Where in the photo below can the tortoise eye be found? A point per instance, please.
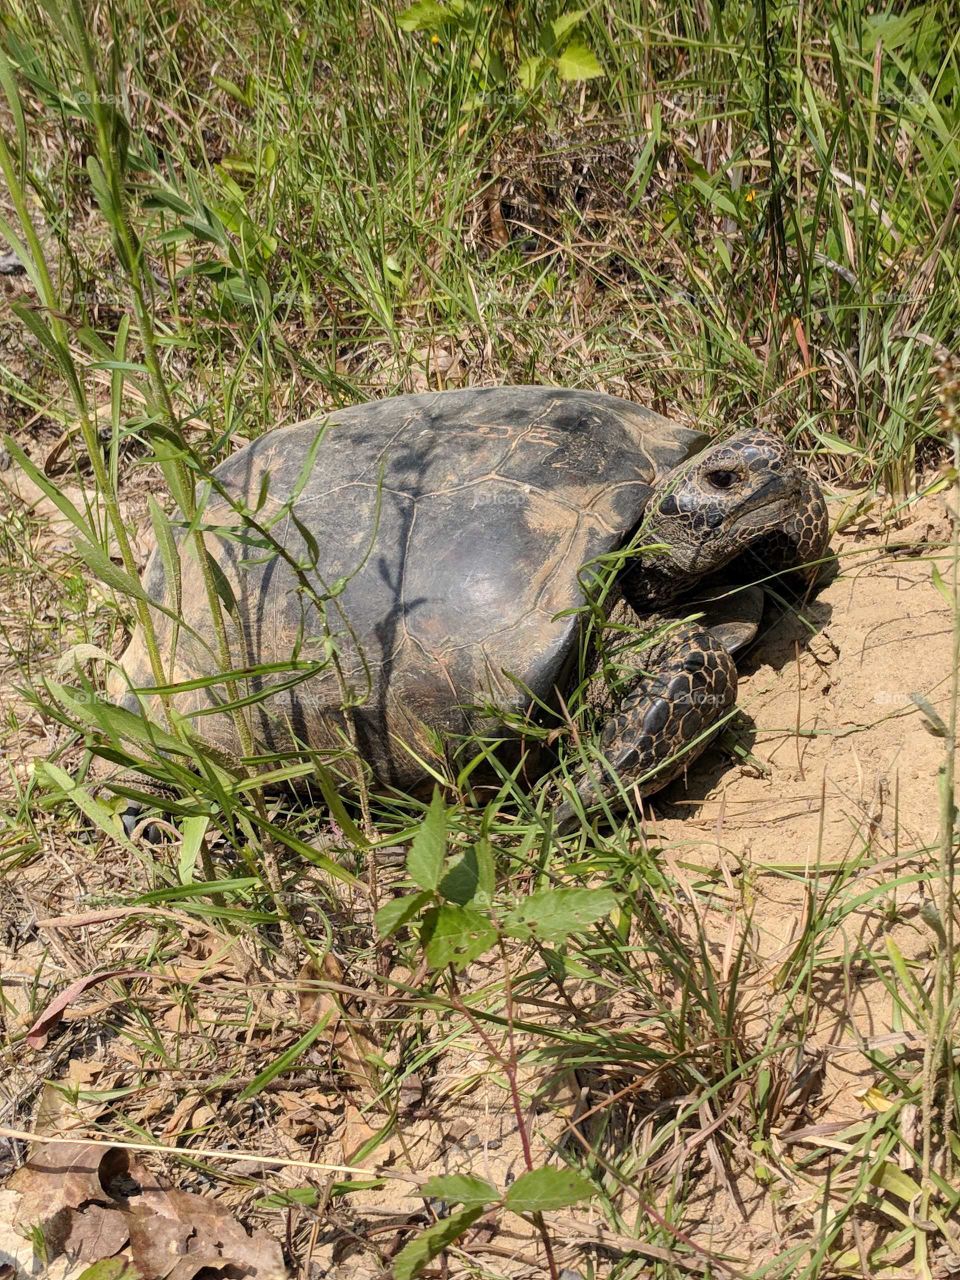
(720, 479)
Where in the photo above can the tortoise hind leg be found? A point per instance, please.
(664, 720)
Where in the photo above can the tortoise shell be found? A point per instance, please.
(446, 532)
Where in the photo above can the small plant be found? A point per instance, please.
(533, 1193)
(504, 51)
(454, 912)
(453, 904)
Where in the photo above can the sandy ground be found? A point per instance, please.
(859, 779)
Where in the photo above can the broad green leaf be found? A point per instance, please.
(116, 722)
(425, 859)
(543, 1189)
(461, 882)
(107, 1269)
(578, 62)
(395, 914)
(243, 96)
(563, 25)
(460, 1188)
(157, 198)
(715, 197)
(486, 874)
(894, 29)
(456, 936)
(551, 915)
(413, 1257)
(888, 1177)
(425, 15)
(834, 444)
(194, 829)
(73, 659)
(528, 70)
(98, 813)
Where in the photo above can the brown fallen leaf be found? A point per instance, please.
(357, 1132)
(96, 1233)
(177, 1234)
(182, 1113)
(303, 1114)
(355, 1049)
(411, 1092)
(92, 1201)
(65, 1176)
(37, 1035)
(61, 1109)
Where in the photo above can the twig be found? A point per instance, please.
(211, 1153)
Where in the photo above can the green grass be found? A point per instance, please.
(235, 217)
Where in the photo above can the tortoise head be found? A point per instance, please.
(745, 493)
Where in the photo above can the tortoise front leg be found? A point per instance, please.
(651, 732)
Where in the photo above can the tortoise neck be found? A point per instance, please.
(649, 584)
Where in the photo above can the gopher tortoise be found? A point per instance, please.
(432, 568)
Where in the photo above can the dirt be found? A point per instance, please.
(845, 761)
(842, 782)
(855, 793)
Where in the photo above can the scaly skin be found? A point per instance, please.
(684, 686)
(687, 682)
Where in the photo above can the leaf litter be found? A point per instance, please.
(96, 1202)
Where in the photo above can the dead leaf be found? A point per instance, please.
(177, 1018)
(193, 1232)
(37, 1035)
(182, 1114)
(355, 1049)
(302, 1114)
(65, 1176)
(90, 1200)
(59, 527)
(97, 1233)
(411, 1092)
(357, 1131)
(202, 1117)
(52, 463)
(60, 1109)
(37, 503)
